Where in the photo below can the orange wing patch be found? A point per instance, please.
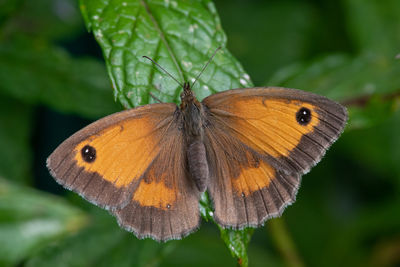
(155, 194)
(269, 125)
(122, 151)
(253, 179)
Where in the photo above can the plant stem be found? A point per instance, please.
(284, 242)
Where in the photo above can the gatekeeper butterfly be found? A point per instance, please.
(247, 147)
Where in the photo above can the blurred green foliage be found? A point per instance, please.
(347, 210)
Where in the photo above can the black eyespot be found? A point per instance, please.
(243, 195)
(303, 116)
(88, 153)
(168, 206)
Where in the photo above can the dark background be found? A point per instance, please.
(348, 208)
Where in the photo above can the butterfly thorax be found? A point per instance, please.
(192, 114)
(193, 119)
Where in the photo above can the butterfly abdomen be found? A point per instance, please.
(198, 166)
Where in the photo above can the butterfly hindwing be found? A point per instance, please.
(259, 142)
(165, 203)
(244, 187)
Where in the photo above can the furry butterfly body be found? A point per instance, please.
(247, 147)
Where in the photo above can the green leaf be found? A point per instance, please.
(15, 140)
(374, 25)
(375, 110)
(30, 220)
(7, 8)
(180, 35)
(34, 72)
(342, 77)
(363, 228)
(382, 153)
(61, 19)
(102, 243)
(260, 43)
(205, 207)
(237, 242)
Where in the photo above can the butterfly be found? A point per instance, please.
(247, 147)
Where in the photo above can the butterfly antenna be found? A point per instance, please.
(158, 65)
(155, 98)
(205, 66)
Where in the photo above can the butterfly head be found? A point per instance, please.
(188, 97)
